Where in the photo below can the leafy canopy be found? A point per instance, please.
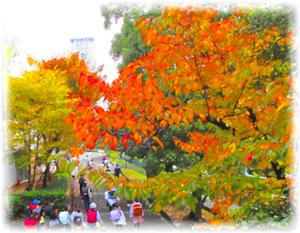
(217, 72)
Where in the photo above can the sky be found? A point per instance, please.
(43, 29)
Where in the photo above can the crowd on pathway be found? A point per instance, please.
(46, 214)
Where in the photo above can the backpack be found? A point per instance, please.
(85, 191)
(32, 206)
(137, 209)
(77, 220)
(49, 210)
(111, 194)
(111, 198)
(52, 214)
(115, 215)
(91, 216)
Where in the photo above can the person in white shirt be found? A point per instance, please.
(110, 198)
(64, 217)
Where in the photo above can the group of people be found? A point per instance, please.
(106, 163)
(109, 166)
(41, 216)
(112, 201)
(48, 215)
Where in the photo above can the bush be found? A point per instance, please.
(16, 205)
(13, 206)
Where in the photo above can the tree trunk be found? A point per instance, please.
(46, 176)
(197, 215)
(151, 169)
(34, 175)
(278, 170)
(72, 192)
(31, 172)
(150, 173)
(280, 175)
(29, 183)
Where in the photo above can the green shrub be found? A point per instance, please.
(13, 206)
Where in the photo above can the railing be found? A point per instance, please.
(135, 162)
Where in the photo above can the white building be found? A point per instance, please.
(86, 49)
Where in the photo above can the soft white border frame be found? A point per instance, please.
(293, 4)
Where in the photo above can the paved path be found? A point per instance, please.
(151, 221)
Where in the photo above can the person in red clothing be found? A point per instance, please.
(30, 223)
(33, 205)
(136, 213)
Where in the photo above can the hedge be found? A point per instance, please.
(16, 205)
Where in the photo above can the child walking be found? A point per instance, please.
(93, 217)
(136, 213)
(117, 216)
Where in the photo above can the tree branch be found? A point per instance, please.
(207, 209)
(218, 123)
(240, 95)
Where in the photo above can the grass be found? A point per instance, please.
(133, 175)
(114, 158)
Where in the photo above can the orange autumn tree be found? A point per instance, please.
(78, 76)
(206, 71)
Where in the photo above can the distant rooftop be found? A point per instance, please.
(81, 39)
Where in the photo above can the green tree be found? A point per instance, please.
(127, 45)
(38, 105)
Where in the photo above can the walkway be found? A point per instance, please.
(151, 221)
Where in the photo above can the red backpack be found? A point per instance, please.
(92, 216)
(137, 209)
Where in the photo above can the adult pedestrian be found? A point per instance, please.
(117, 170)
(81, 181)
(86, 195)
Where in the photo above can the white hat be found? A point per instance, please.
(93, 205)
